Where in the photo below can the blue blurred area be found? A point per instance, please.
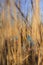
(25, 6)
(1, 5)
(41, 10)
(41, 6)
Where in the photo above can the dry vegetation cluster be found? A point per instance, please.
(15, 47)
